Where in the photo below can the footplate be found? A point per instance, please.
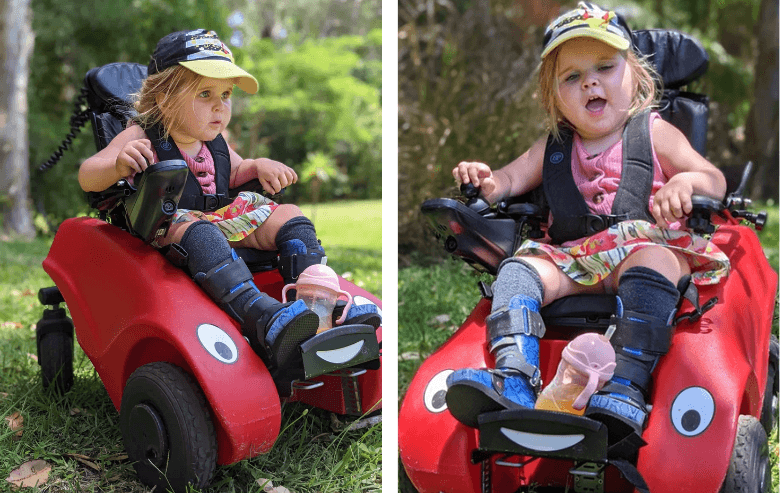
(340, 347)
(531, 432)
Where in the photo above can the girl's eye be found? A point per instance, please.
(204, 94)
(606, 68)
(226, 95)
(571, 77)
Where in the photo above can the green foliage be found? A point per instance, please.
(322, 95)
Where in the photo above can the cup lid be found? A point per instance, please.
(320, 276)
(591, 353)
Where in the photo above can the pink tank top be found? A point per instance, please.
(598, 177)
(202, 166)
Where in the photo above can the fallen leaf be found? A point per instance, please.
(409, 356)
(87, 461)
(3, 395)
(15, 422)
(32, 357)
(33, 473)
(439, 319)
(117, 457)
(11, 325)
(77, 410)
(28, 292)
(268, 486)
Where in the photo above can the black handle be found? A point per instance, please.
(468, 190)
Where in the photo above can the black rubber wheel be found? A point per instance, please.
(55, 355)
(167, 429)
(769, 406)
(749, 470)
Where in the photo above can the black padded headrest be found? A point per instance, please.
(677, 57)
(111, 85)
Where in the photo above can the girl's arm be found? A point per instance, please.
(126, 154)
(273, 175)
(689, 174)
(516, 178)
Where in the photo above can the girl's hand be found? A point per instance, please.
(134, 157)
(673, 201)
(273, 175)
(479, 174)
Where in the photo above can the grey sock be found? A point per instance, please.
(516, 277)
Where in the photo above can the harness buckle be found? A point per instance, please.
(210, 202)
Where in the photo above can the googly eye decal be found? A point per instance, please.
(435, 392)
(362, 300)
(217, 343)
(692, 411)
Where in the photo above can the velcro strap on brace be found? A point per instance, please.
(224, 282)
(516, 359)
(292, 265)
(514, 321)
(635, 368)
(643, 332)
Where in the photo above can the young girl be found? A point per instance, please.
(183, 107)
(592, 84)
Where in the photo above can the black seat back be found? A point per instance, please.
(109, 95)
(679, 59)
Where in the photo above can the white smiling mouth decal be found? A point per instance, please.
(542, 443)
(341, 355)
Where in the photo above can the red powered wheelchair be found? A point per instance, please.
(190, 390)
(715, 394)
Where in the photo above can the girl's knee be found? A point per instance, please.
(285, 212)
(665, 261)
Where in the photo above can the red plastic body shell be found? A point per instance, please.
(725, 352)
(130, 307)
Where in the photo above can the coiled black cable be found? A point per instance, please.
(77, 121)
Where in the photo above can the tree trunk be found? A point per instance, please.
(16, 43)
(761, 130)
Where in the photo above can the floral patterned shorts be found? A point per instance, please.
(590, 261)
(236, 221)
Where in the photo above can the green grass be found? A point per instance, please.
(356, 227)
(312, 454)
(435, 299)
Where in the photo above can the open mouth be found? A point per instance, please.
(596, 104)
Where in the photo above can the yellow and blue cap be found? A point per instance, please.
(587, 20)
(202, 52)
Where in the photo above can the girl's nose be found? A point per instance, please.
(589, 81)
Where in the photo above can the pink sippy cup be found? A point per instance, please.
(318, 287)
(587, 363)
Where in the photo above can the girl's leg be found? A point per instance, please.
(290, 232)
(274, 330)
(514, 327)
(647, 287)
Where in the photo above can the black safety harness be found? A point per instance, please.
(572, 219)
(193, 197)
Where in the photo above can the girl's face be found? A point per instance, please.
(595, 87)
(205, 111)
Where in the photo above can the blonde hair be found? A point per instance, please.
(647, 92)
(174, 84)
